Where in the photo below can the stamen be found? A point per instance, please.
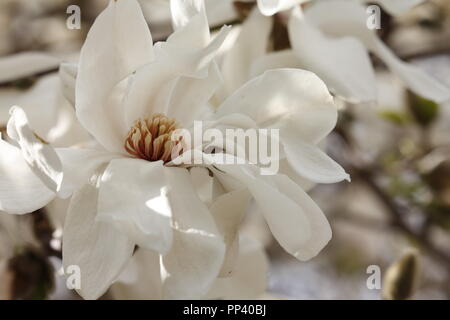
(150, 139)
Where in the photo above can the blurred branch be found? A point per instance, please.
(395, 211)
(367, 174)
(359, 220)
(426, 54)
(19, 83)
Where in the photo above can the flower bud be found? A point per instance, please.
(400, 281)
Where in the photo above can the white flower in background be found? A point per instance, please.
(331, 39)
(51, 116)
(130, 95)
(372, 131)
(25, 64)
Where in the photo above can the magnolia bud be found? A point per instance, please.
(400, 281)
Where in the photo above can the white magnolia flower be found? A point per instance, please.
(331, 39)
(130, 95)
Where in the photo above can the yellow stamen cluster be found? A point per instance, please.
(151, 139)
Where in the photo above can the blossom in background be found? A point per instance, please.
(130, 96)
(331, 39)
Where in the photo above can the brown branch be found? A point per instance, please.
(359, 169)
(16, 82)
(395, 211)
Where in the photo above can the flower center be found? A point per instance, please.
(150, 139)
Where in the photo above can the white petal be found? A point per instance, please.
(189, 97)
(282, 97)
(133, 198)
(190, 23)
(20, 190)
(79, 164)
(40, 102)
(98, 249)
(342, 18)
(25, 64)
(249, 280)
(195, 260)
(320, 228)
(141, 278)
(414, 78)
(343, 63)
(287, 220)
(41, 158)
(275, 60)
(287, 169)
(67, 130)
(118, 43)
(312, 163)
(270, 7)
(151, 86)
(228, 211)
(251, 43)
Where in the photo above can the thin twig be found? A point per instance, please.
(395, 211)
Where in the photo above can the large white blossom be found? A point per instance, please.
(126, 192)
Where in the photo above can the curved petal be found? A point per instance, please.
(270, 7)
(118, 43)
(343, 63)
(133, 198)
(190, 23)
(251, 43)
(98, 249)
(189, 95)
(414, 78)
(152, 85)
(312, 163)
(190, 268)
(79, 164)
(20, 190)
(40, 102)
(141, 278)
(342, 18)
(283, 96)
(228, 211)
(250, 279)
(41, 158)
(286, 219)
(286, 169)
(320, 233)
(275, 60)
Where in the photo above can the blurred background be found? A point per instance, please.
(395, 214)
